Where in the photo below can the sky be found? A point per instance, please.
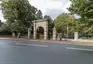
(49, 7)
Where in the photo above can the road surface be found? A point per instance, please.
(24, 52)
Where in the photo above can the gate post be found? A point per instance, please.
(54, 33)
(75, 35)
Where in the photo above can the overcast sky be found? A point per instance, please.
(49, 7)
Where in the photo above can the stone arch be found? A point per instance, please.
(40, 32)
(43, 23)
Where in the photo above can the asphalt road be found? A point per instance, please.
(23, 52)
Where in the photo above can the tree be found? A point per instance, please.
(50, 24)
(0, 23)
(65, 23)
(49, 19)
(18, 12)
(83, 8)
(39, 14)
(4, 29)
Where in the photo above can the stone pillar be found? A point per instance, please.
(18, 35)
(75, 35)
(46, 31)
(45, 35)
(29, 33)
(54, 33)
(13, 34)
(58, 36)
(35, 30)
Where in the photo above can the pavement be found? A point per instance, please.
(18, 51)
(69, 41)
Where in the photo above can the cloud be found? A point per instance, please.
(40, 4)
(51, 7)
(54, 12)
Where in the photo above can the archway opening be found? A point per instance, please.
(40, 32)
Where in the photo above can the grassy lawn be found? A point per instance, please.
(86, 38)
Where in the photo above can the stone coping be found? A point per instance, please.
(40, 20)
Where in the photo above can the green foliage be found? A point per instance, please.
(18, 10)
(87, 38)
(16, 27)
(63, 22)
(83, 8)
(39, 14)
(4, 29)
(19, 14)
(49, 19)
(50, 25)
(0, 23)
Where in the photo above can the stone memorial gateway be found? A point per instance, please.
(40, 26)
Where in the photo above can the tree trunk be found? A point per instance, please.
(29, 33)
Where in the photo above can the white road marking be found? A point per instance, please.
(82, 49)
(32, 45)
(2, 43)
